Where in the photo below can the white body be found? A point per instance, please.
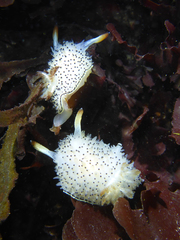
(68, 71)
(90, 170)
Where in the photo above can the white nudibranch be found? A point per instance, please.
(90, 170)
(68, 70)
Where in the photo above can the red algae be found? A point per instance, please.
(132, 99)
(176, 122)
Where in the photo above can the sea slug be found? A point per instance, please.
(68, 70)
(90, 170)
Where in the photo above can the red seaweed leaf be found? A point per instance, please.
(159, 218)
(148, 80)
(68, 232)
(6, 3)
(176, 122)
(127, 138)
(110, 27)
(169, 26)
(89, 222)
(150, 4)
(158, 8)
(138, 121)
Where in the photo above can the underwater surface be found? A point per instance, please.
(132, 97)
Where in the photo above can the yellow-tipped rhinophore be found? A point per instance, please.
(77, 123)
(55, 37)
(101, 37)
(42, 149)
(98, 39)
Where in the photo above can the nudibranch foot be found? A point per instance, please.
(90, 170)
(61, 118)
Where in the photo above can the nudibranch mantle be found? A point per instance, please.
(68, 71)
(90, 170)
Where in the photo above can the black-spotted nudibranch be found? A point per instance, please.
(90, 170)
(68, 70)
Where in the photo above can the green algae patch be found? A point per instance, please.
(15, 118)
(8, 174)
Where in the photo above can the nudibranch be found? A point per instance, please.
(68, 70)
(90, 170)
